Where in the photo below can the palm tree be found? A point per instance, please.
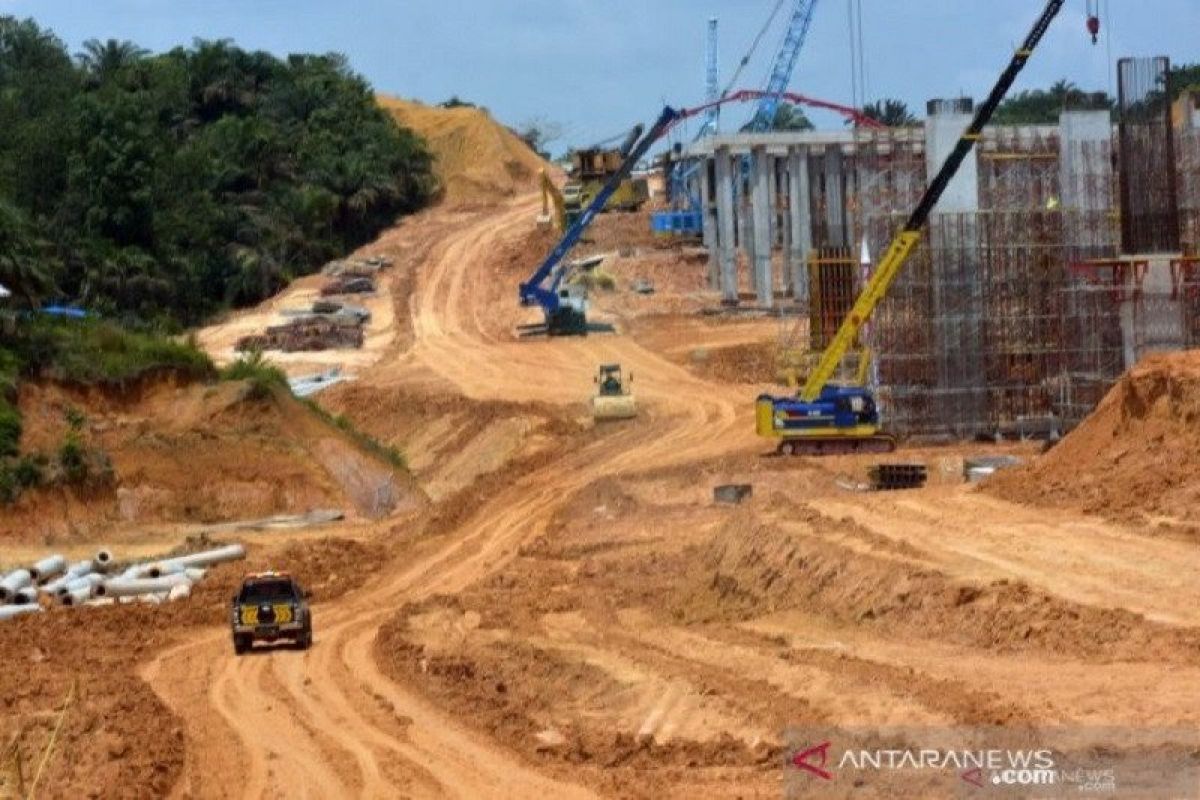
(788, 117)
(23, 266)
(891, 112)
(102, 60)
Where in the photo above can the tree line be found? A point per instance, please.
(158, 189)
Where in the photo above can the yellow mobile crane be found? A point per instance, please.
(827, 418)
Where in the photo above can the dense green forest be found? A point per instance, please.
(157, 189)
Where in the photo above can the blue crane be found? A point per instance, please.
(565, 311)
(684, 217)
(688, 220)
(712, 88)
(784, 65)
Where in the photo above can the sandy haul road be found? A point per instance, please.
(326, 723)
(597, 593)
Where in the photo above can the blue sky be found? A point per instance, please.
(597, 66)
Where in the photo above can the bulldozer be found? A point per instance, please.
(613, 399)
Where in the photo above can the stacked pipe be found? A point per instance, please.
(94, 582)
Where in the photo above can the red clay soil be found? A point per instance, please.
(1136, 455)
(477, 160)
(118, 739)
(752, 362)
(185, 452)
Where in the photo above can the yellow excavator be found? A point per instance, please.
(552, 198)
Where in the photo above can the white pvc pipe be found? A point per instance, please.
(179, 592)
(60, 588)
(58, 584)
(17, 579)
(25, 596)
(207, 558)
(81, 568)
(160, 568)
(102, 560)
(8, 612)
(93, 582)
(47, 568)
(124, 587)
(77, 596)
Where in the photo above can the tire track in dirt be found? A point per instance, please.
(277, 723)
(291, 713)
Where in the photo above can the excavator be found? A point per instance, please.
(827, 418)
(563, 304)
(552, 201)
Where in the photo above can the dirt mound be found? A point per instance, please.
(185, 452)
(449, 442)
(478, 160)
(750, 362)
(1137, 454)
(754, 567)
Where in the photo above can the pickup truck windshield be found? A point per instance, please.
(267, 590)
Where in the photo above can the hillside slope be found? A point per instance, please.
(186, 452)
(478, 160)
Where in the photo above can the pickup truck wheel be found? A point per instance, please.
(305, 639)
(241, 644)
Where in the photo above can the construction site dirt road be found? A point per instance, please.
(330, 723)
(583, 620)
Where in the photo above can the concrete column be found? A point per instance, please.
(744, 184)
(835, 200)
(708, 221)
(801, 222)
(784, 217)
(761, 202)
(779, 203)
(943, 129)
(726, 222)
(958, 291)
(1085, 181)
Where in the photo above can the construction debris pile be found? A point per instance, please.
(97, 581)
(330, 323)
(307, 334)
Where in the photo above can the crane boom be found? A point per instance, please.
(542, 288)
(908, 238)
(785, 64)
(712, 88)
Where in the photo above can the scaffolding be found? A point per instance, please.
(1149, 203)
(1016, 317)
(988, 333)
(1188, 146)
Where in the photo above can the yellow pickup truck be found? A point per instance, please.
(270, 606)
